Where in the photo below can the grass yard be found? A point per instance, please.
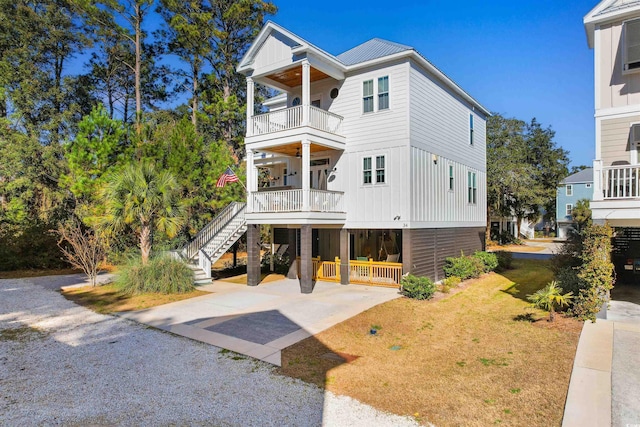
(472, 358)
(108, 299)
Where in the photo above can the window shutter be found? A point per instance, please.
(635, 133)
(632, 44)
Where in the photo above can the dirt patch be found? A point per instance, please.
(22, 334)
(108, 299)
(460, 360)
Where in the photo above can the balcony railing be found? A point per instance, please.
(292, 201)
(621, 182)
(291, 118)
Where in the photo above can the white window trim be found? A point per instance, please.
(388, 92)
(470, 186)
(451, 178)
(624, 49)
(376, 95)
(373, 96)
(472, 124)
(566, 190)
(568, 211)
(634, 146)
(374, 182)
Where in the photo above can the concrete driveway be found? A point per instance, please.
(263, 320)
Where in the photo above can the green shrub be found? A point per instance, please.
(464, 267)
(505, 259)
(417, 287)
(161, 274)
(280, 263)
(489, 260)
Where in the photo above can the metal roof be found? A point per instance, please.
(618, 5)
(585, 175)
(372, 49)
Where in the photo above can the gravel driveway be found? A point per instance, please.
(61, 364)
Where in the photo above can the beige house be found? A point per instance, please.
(613, 32)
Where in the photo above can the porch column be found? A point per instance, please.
(252, 182)
(597, 181)
(293, 253)
(306, 265)
(407, 262)
(250, 106)
(253, 254)
(306, 91)
(306, 169)
(344, 256)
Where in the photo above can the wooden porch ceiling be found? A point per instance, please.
(293, 77)
(294, 149)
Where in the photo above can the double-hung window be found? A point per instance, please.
(472, 188)
(569, 209)
(569, 190)
(632, 45)
(470, 129)
(368, 170)
(383, 93)
(367, 96)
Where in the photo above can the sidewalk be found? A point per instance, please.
(605, 382)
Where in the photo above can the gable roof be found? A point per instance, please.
(583, 176)
(607, 11)
(372, 49)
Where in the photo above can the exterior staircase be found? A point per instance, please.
(214, 240)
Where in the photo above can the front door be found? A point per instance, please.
(319, 171)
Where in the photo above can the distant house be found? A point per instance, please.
(571, 189)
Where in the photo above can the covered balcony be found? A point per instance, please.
(294, 118)
(616, 194)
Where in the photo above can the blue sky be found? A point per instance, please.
(521, 59)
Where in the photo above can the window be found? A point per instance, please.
(367, 96)
(383, 93)
(470, 129)
(380, 170)
(472, 187)
(296, 101)
(587, 185)
(285, 176)
(569, 209)
(451, 177)
(366, 170)
(569, 190)
(631, 45)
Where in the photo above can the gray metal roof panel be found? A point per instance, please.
(585, 175)
(372, 49)
(618, 5)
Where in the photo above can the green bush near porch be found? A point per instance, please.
(415, 287)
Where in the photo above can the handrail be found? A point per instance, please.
(621, 182)
(205, 235)
(291, 118)
(291, 201)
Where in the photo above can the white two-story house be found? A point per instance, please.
(367, 160)
(613, 32)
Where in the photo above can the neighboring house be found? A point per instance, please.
(373, 154)
(509, 225)
(613, 32)
(571, 189)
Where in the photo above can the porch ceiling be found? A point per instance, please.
(293, 76)
(296, 148)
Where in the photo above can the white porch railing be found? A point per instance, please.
(620, 182)
(291, 118)
(291, 201)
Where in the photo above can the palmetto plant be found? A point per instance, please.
(549, 297)
(144, 199)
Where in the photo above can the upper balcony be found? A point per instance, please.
(294, 118)
(616, 194)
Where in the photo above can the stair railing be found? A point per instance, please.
(205, 235)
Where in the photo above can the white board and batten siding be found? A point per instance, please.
(274, 53)
(381, 132)
(440, 137)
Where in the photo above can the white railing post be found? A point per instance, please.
(204, 263)
(306, 169)
(597, 180)
(250, 100)
(306, 91)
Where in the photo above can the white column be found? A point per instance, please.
(251, 180)
(250, 106)
(598, 183)
(306, 168)
(306, 91)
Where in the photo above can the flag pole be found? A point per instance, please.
(241, 183)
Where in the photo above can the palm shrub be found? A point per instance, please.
(161, 274)
(549, 297)
(415, 287)
(489, 260)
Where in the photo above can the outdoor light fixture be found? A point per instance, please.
(298, 152)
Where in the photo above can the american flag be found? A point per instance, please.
(227, 176)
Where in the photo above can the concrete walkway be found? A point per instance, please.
(261, 321)
(605, 381)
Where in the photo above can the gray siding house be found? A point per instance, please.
(366, 165)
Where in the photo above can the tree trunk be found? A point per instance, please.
(145, 242)
(138, 42)
(552, 315)
(518, 225)
(194, 105)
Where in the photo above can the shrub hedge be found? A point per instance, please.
(419, 288)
